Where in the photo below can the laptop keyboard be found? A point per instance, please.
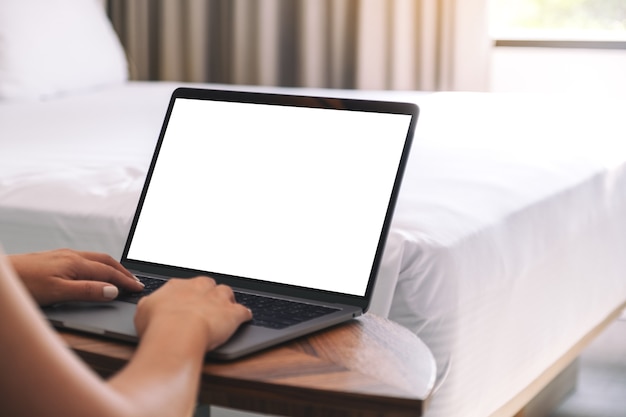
(271, 312)
(278, 313)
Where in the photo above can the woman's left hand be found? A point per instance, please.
(68, 275)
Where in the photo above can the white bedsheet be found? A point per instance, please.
(507, 243)
(72, 168)
(509, 237)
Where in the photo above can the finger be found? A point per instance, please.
(246, 314)
(226, 292)
(103, 258)
(86, 291)
(97, 271)
(206, 282)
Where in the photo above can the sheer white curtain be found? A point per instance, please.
(366, 44)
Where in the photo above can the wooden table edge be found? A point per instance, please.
(341, 376)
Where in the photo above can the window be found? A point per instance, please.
(558, 46)
(563, 23)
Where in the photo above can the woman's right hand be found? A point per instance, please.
(208, 308)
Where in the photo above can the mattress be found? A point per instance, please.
(506, 244)
(508, 237)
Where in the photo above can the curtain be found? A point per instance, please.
(363, 44)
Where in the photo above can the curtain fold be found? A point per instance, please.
(364, 44)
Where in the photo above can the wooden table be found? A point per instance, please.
(368, 366)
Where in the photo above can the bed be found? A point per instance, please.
(506, 252)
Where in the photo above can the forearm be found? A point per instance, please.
(177, 324)
(164, 375)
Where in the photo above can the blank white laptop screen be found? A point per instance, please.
(291, 195)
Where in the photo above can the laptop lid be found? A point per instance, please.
(284, 194)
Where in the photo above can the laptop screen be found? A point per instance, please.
(283, 194)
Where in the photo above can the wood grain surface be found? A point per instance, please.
(369, 366)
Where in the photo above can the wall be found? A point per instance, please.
(558, 70)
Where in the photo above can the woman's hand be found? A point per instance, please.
(207, 309)
(67, 275)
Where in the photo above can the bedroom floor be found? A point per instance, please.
(601, 390)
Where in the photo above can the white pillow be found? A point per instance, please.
(55, 47)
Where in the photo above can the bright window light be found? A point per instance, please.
(558, 19)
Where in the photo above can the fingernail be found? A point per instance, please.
(110, 292)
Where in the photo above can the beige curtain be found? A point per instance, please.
(365, 44)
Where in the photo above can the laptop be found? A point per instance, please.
(284, 198)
